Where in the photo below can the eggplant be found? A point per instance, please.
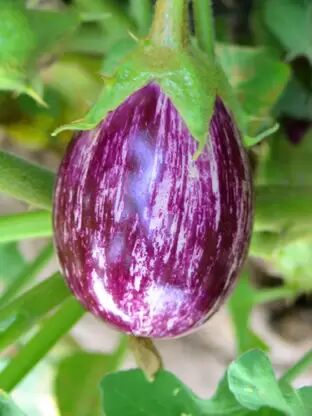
(295, 129)
(150, 237)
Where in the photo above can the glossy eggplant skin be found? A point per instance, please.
(150, 239)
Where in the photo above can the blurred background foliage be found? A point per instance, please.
(59, 52)
(54, 57)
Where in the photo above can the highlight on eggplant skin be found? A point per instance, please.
(148, 238)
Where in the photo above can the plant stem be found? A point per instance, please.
(273, 294)
(22, 313)
(26, 181)
(204, 26)
(41, 343)
(293, 372)
(170, 27)
(31, 224)
(30, 271)
(46, 289)
(141, 10)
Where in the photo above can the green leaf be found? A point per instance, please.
(142, 11)
(77, 378)
(263, 243)
(258, 78)
(17, 40)
(266, 411)
(299, 401)
(286, 163)
(241, 304)
(261, 33)
(113, 24)
(252, 381)
(128, 393)
(280, 206)
(305, 394)
(17, 46)
(291, 22)
(11, 262)
(25, 35)
(290, 166)
(294, 262)
(118, 18)
(52, 28)
(267, 131)
(224, 402)
(12, 79)
(8, 407)
(79, 375)
(294, 400)
(91, 40)
(249, 387)
(296, 101)
(52, 97)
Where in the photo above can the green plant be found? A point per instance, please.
(54, 58)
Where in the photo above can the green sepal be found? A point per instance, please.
(186, 77)
(171, 58)
(189, 79)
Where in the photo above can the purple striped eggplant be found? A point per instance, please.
(150, 238)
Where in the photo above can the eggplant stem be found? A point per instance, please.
(146, 355)
(204, 26)
(170, 26)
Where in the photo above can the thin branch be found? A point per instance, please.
(26, 181)
(41, 343)
(31, 224)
